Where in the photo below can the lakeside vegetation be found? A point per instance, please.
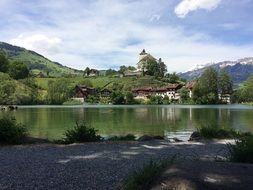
(19, 86)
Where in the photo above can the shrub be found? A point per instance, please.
(242, 151)
(210, 132)
(11, 132)
(128, 137)
(81, 133)
(145, 177)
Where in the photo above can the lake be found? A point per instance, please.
(169, 120)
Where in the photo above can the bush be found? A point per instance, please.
(210, 132)
(81, 133)
(128, 137)
(11, 132)
(144, 178)
(242, 151)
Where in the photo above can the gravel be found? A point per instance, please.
(90, 165)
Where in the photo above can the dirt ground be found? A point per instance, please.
(206, 175)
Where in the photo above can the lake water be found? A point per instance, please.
(172, 120)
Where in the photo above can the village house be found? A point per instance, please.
(189, 86)
(105, 93)
(82, 92)
(171, 90)
(93, 73)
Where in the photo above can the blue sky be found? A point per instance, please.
(108, 33)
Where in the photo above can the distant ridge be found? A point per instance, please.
(36, 62)
(239, 70)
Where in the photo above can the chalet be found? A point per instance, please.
(189, 86)
(82, 92)
(142, 93)
(105, 93)
(171, 90)
(93, 73)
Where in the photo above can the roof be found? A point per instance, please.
(172, 86)
(190, 84)
(143, 52)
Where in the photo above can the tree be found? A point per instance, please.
(18, 70)
(117, 97)
(110, 72)
(206, 89)
(184, 95)
(130, 98)
(3, 63)
(245, 93)
(86, 72)
(58, 91)
(172, 78)
(7, 89)
(225, 83)
(122, 69)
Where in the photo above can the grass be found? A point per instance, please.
(242, 151)
(11, 132)
(211, 132)
(73, 102)
(144, 178)
(80, 133)
(128, 137)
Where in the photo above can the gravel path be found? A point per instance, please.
(91, 165)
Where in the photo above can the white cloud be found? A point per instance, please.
(38, 42)
(186, 6)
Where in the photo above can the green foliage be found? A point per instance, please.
(4, 63)
(81, 133)
(7, 89)
(172, 78)
(86, 71)
(72, 102)
(245, 93)
(145, 177)
(92, 99)
(242, 151)
(124, 68)
(110, 72)
(58, 91)
(155, 100)
(154, 68)
(184, 95)
(11, 132)
(18, 70)
(211, 132)
(128, 137)
(206, 89)
(117, 97)
(130, 98)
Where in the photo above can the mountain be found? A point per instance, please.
(36, 62)
(239, 70)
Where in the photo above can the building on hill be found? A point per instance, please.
(82, 92)
(143, 59)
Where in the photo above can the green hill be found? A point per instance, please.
(36, 62)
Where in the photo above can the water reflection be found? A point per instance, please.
(152, 120)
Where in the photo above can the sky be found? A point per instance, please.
(105, 34)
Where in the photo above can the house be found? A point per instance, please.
(171, 90)
(105, 93)
(142, 93)
(225, 98)
(189, 86)
(93, 73)
(82, 92)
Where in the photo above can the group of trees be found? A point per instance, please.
(245, 92)
(155, 68)
(210, 85)
(16, 69)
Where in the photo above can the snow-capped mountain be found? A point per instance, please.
(239, 70)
